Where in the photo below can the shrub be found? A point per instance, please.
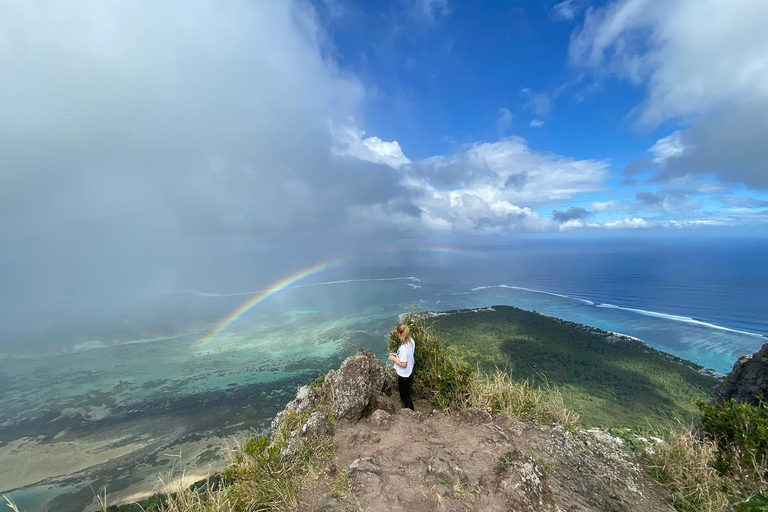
(740, 432)
(440, 375)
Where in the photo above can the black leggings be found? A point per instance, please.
(404, 386)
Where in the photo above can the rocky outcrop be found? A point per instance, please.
(397, 459)
(355, 386)
(747, 380)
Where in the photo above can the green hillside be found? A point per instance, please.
(610, 381)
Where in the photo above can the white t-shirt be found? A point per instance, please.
(405, 353)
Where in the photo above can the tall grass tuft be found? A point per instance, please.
(451, 383)
(684, 466)
(498, 392)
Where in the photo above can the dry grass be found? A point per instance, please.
(434, 496)
(683, 465)
(498, 392)
(11, 504)
(259, 477)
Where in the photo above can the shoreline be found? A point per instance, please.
(588, 328)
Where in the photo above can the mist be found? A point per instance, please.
(152, 146)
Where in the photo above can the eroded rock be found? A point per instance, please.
(316, 426)
(747, 380)
(355, 385)
(476, 416)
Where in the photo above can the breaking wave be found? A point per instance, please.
(656, 314)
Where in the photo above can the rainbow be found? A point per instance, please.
(260, 297)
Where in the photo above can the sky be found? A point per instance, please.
(139, 140)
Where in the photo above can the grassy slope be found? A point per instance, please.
(625, 384)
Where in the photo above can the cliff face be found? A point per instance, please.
(387, 458)
(747, 380)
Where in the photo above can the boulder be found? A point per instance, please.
(747, 380)
(355, 385)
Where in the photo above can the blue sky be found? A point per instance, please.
(442, 76)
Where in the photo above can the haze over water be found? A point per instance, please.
(138, 391)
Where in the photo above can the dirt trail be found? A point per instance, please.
(471, 461)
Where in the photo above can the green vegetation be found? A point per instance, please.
(620, 384)
(440, 375)
(725, 469)
(740, 432)
(451, 383)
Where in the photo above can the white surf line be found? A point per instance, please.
(342, 281)
(555, 294)
(678, 318)
(656, 314)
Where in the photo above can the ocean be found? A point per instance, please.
(116, 391)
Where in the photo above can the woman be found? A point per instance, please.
(404, 359)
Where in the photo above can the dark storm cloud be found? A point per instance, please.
(634, 168)
(730, 143)
(459, 171)
(134, 133)
(516, 181)
(649, 197)
(572, 213)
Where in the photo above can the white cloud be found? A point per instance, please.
(704, 63)
(491, 187)
(604, 206)
(537, 123)
(627, 223)
(565, 11)
(694, 53)
(350, 142)
(571, 224)
(671, 146)
(504, 121)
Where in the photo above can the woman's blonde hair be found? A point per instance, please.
(403, 332)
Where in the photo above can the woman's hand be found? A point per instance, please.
(392, 357)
